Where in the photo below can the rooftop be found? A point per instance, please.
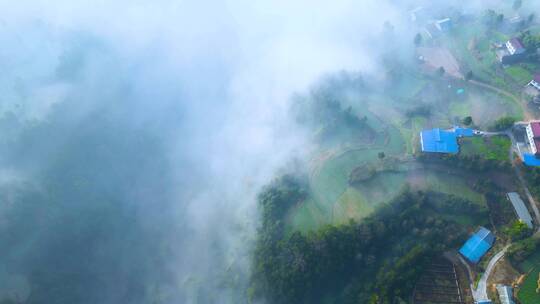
(521, 210)
(439, 141)
(535, 126)
(516, 43)
(531, 160)
(505, 294)
(463, 132)
(477, 245)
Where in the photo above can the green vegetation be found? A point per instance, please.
(518, 230)
(531, 41)
(519, 74)
(526, 256)
(467, 121)
(528, 290)
(491, 148)
(375, 261)
(533, 178)
(504, 123)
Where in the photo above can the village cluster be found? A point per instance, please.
(525, 145)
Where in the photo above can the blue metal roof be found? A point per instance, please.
(438, 140)
(531, 160)
(477, 245)
(464, 132)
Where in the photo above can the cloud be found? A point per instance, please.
(210, 81)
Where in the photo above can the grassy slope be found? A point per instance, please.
(495, 148)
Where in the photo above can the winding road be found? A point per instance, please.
(480, 293)
(526, 113)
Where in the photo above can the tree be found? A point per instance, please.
(504, 123)
(418, 39)
(531, 17)
(531, 42)
(469, 75)
(500, 19)
(467, 121)
(516, 5)
(441, 71)
(518, 230)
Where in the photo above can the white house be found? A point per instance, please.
(515, 46)
(533, 135)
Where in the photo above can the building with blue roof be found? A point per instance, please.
(477, 245)
(463, 132)
(439, 141)
(531, 160)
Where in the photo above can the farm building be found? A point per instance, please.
(477, 245)
(439, 141)
(505, 294)
(520, 208)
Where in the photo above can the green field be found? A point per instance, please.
(356, 202)
(519, 74)
(494, 148)
(527, 292)
(445, 183)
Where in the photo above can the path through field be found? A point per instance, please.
(526, 114)
(437, 57)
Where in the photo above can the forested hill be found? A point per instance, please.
(373, 261)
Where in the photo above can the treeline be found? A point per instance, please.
(325, 109)
(520, 251)
(475, 163)
(532, 175)
(375, 261)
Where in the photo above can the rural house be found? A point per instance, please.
(513, 51)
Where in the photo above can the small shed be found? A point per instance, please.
(505, 294)
(521, 210)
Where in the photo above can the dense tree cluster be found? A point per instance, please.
(518, 230)
(504, 123)
(531, 42)
(374, 261)
(532, 175)
(420, 110)
(519, 251)
(475, 163)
